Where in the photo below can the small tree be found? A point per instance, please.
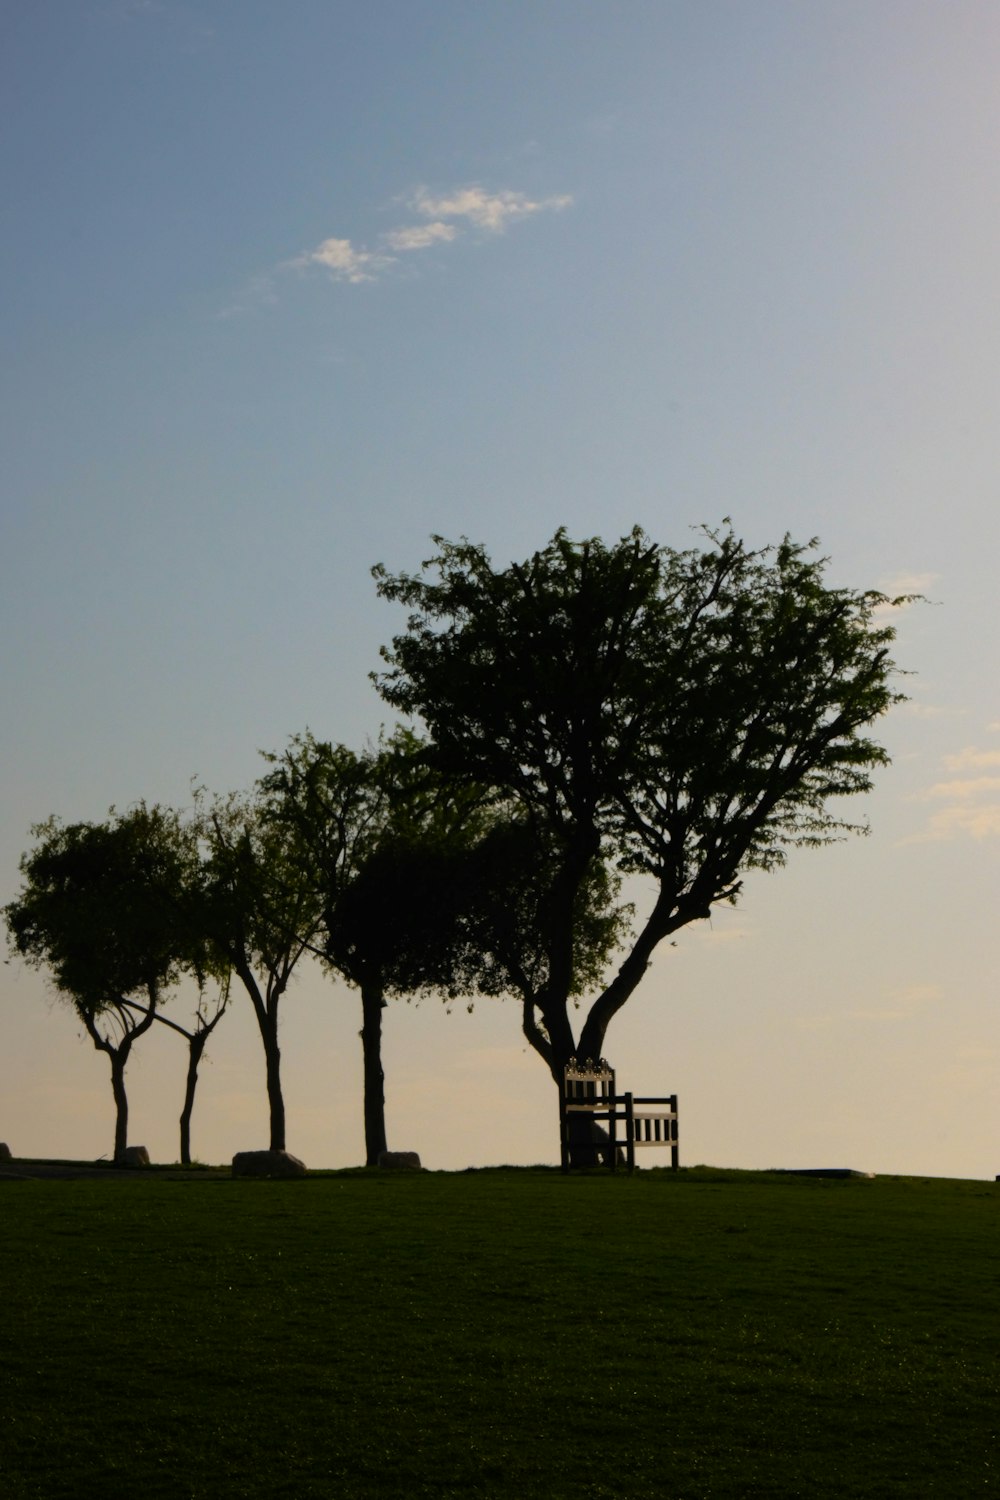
(102, 910)
(206, 1018)
(684, 716)
(382, 830)
(259, 912)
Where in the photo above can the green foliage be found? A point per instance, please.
(380, 829)
(105, 909)
(258, 903)
(516, 1334)
(683, 715)
(685, 704)
(108, 910)
(502, 894)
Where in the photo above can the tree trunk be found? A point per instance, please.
(196, 1046)
(275, 1098)
(589, 1142)
(266, 1012)
(589, 1139)
(372, 1006)
(118, 1061)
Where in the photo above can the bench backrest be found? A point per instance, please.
(588, 1085)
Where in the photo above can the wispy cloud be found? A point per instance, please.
(918, 710)
(493, 211)
(419, 236)
(972, 759)
(907, 583)
(344, 261)
(962, 790)
(441, 219)
(972, 803)
(971, 820)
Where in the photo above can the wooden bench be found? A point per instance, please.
(589, 1090)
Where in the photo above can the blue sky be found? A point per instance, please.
(291, 288)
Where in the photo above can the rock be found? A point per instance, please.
(135, 1156)
(407, 1161)
(267, 1164)
(5, 1153)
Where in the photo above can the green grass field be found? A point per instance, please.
(499, 1333)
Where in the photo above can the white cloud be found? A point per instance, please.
(448, 216)
(972, 759)
(963, 790)
(974, 811)
(977, 821)
(344, 261)
(907, 583)
(493, 211)
(419, 236)
(929, 710)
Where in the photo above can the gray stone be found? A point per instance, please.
(267, 1164)
(406, 1161)
(135, 1156)
(5, 1152)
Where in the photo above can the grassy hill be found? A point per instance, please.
(499, 1333)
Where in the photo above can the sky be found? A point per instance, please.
(290, 289)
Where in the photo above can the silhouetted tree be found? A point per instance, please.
(206, 1018)
(103, 910)
(259, 912)
(382, 829)
(684, 716)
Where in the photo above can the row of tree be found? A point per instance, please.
(594, 713)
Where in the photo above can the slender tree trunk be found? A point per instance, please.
(118, 1060)
(267, 1023)
(196, 1046)
(372, 1006)
(275, 1098)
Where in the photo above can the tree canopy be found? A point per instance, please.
(681, 715)
(105, 909)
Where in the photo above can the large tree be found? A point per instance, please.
(104, 910)
(681, 715)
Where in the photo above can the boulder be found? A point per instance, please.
(406, 1161)
(5, 1152)
(267, 1164)
(135, 1156)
